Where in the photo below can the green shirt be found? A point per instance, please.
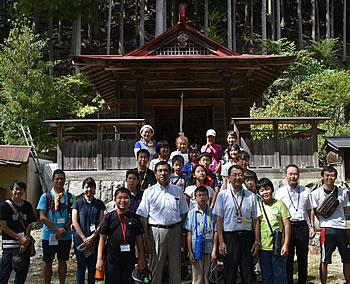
(276, 212)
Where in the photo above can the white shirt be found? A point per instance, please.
(225, 168)
(297, 200)
(226, 209)
(337, 219)
(153, 163)
(163, 206)
(189, 191)
(178, 152)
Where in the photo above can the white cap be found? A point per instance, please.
(146, 126)
(211, 132)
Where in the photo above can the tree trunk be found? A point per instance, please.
(328, 20)
(332, 18)
(344, 29)
(35, 23)
(263, 20)
(313, 20)
(173, 12)
(273, 19)
(229, 24)
(318, 34)
(76, 34)
(206, 14)
(159, 18)
(164, 15)
(89, 31)
(50, 40)
(121, 28)
(59, 31)
(278, 19)
(109, 20)
(142, 22)
(300, 26)
(234, 40)
(251, 32)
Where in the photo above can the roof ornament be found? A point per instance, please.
(182, 13)
(182, 39)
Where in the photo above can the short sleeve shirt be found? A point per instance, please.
(337, 219)
(297, 200)
(215, 151)
(179, 181)
(25, 213)
(111, 227)
(226, 208)
(190, 225)
(151, 149)
(276, 212)
(153, 163)
(189, 191)
(225, 168)
(89, 216)
(146, 179)
(58, 217)
(178, 152)
(163, 206)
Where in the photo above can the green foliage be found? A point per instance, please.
(281, 46)
(213, 31)
(28, 93)
(324, 51)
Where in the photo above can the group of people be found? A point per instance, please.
(195, 205)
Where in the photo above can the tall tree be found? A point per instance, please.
(344, 29)
(229, 24)
(328, 19)
(76, 34)
(313, 19)
(109, 24)
(142, 23)
(278, 19)
(206, 14)
(263, 20)
(121, 28)
(164, 15)
(234, 40)
(300, 26)
(159, 17)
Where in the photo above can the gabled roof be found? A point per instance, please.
(14, 155)
(338, 142)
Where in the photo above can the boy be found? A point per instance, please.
(163, 151)
(120, 231)
(178, 178)
(250, 179)
(243, 159)
(200, 221)
(146, 176)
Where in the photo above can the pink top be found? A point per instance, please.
(215, 152)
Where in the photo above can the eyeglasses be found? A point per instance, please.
(236, 175)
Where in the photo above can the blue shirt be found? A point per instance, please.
(88, 214)
(58, 217)
(190, 225)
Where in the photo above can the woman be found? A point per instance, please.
(87, 214)
(146, 141)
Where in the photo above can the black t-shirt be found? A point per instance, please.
(146, 179)
(111, 227)
(25, 213)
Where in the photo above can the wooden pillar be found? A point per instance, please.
(60, 146)
(277, 162)
(99, 157)
(227, 100)
(314, 145)
(140, 96)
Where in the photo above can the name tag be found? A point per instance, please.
(14, 217)
(92, 228)
(20, 234)
(209, 235)
(239, 220)
(52, 240)
(124, 247)
(297, 216)
(60, 221)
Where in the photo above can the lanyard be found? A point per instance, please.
(144, 178)
(290, 198)
(205, 221)
(235, 202)
(123, 225)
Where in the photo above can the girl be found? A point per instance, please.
(163, 149)
(274, 216)
(233, 150)
(146, 141)
(193, 154)
(87, 214)
(215, 150)
(231, 138)
(198, 178)
(120, 231)
(181, 143)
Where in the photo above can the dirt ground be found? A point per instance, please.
(335, 274)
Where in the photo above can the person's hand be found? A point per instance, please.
(148, 244)
(88, 241)
(100, 264)
(284, 250)
(312, 233)
(24, 241)
(192, 257)
(60, 232)
(222, 248)
(214, 254)
(255, 249)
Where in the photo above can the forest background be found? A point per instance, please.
(38, 38)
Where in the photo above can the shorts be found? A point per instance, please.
(330, 239)
(62, 250)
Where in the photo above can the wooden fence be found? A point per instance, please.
(82, 155)
(266, 154)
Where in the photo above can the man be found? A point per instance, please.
(162, 209)
(297, 198)
(55, 214)
(333, 229)
(146, 176)
(16, 216)
(237, 219)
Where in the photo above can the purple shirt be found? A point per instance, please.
(215, 152)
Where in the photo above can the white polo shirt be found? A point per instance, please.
(297, 200)
(225, 208)
(163, 206)
(337, 219)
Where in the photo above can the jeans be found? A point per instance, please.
(6, 268)
(82, 264)
(273, 268)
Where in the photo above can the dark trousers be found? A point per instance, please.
(6, 268)
(239, 244)
(119, 273)
(83, 263)
(299, 244)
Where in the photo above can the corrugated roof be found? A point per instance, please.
(14, 154)
(338, 142)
